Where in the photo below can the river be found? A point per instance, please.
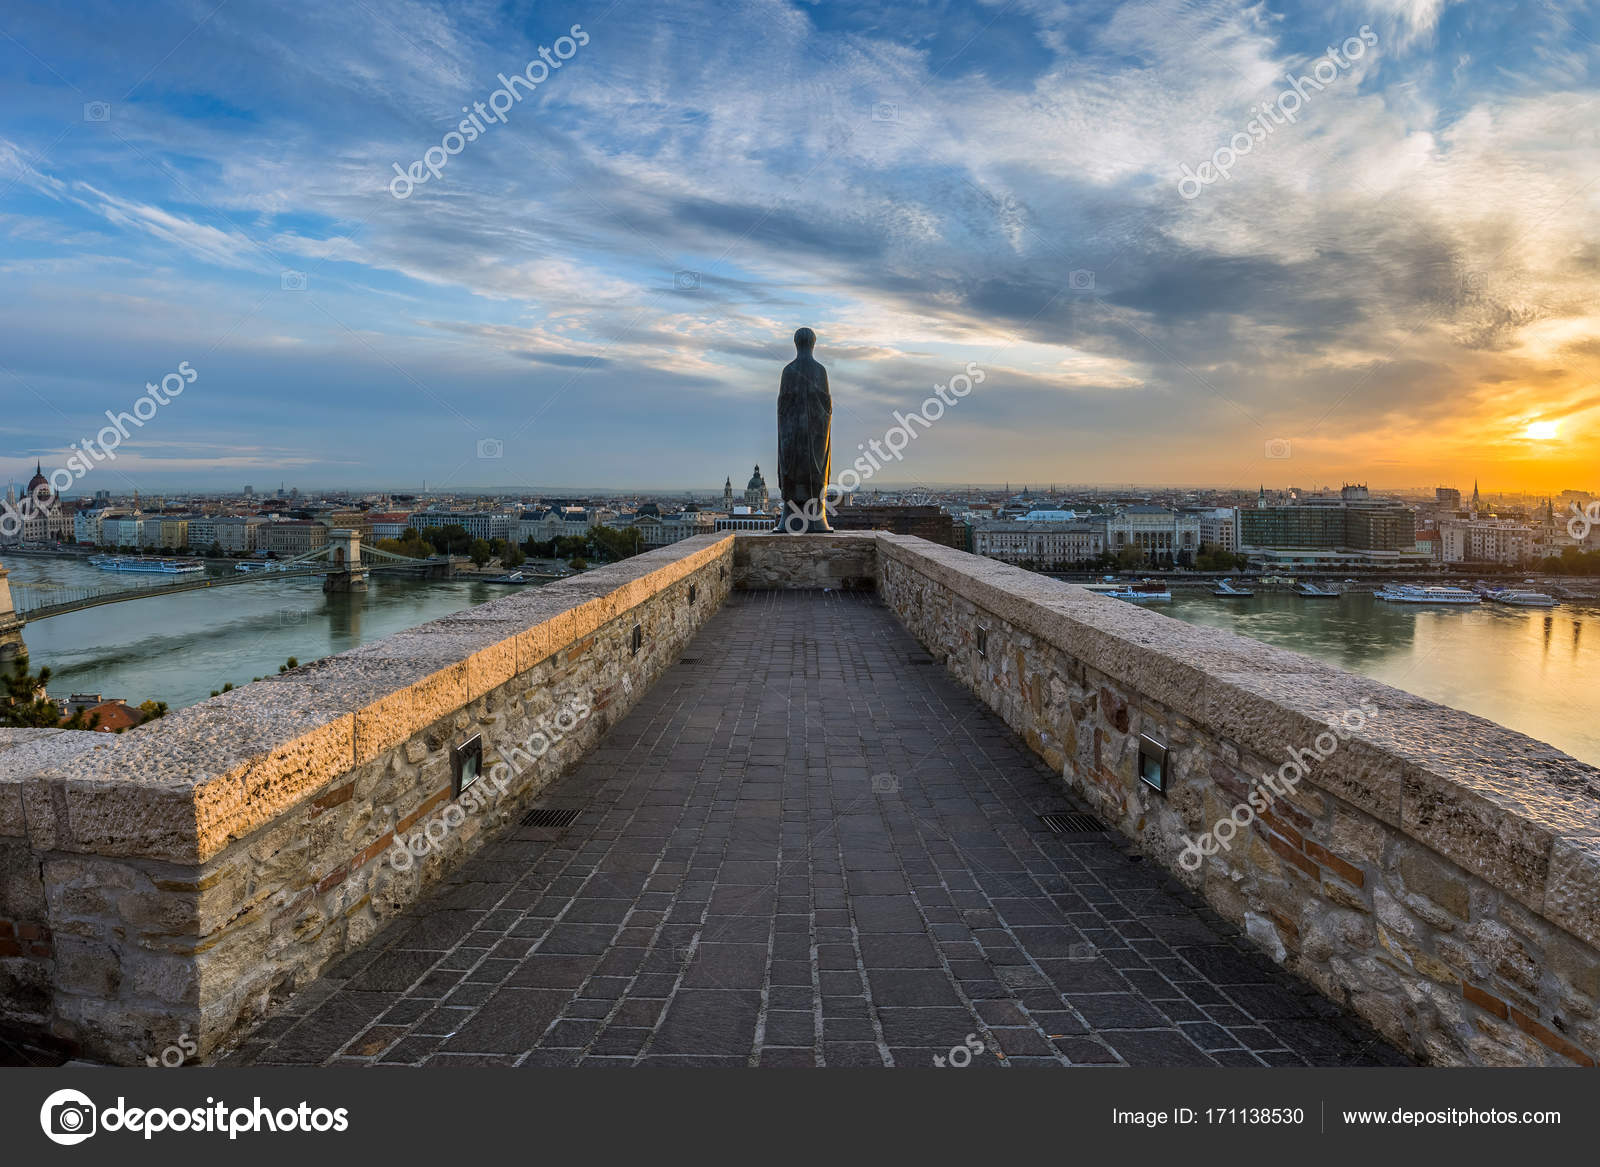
(179, 648)
(1536, 670)
(1530, 669)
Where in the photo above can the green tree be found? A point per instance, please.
(512, 556)
(480, 552)
(578, 563)
(410, 544)
(1130, 556)
(26, 703)
(611, 544)
(452, 539)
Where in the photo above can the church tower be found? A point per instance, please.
(755, 492)
(727, 495)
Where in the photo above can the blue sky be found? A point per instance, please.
(1399, 286)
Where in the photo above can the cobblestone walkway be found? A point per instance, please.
(807, 846)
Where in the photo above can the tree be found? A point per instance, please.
(480, 551)
(608, 543)
(512, 556)
(410, 544)
(26, 704)
(1130, 556)
(451, 539)
(578, 563)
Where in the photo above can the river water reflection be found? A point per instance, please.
(179, 648)
(1534, 670)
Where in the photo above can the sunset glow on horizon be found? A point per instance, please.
(1394, 278)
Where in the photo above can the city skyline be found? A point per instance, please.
(1395, 286)
(17, 475)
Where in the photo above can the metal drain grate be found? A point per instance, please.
(688, 660)
(1072, 824)
(551, 816)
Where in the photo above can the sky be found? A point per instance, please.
(1387, 275)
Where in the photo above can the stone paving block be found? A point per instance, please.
(736, 879)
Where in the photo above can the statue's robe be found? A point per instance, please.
(805, 420)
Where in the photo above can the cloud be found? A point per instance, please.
(918, 185)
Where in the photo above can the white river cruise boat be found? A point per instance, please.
(142, 564)
(1437, 594)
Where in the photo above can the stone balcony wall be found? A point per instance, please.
(781, 562)
(1432, 871)
(173, 881)
(1435, 872)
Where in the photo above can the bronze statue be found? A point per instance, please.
(805, 413)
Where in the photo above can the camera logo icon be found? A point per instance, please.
(491, 448)
(1081, 280)
(68, 1117)
(685, 281)
(1277, 447)
(885, 111)
(288, 616)
(293, 281)
(885, 783)
(97, 111)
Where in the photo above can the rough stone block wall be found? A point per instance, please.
(172, 882)
(805, 562)
(1435, 872)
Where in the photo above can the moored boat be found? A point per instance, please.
(1229, 589)
(1518, 598)
(1435, 594)
(1144, 591)
(143, 564)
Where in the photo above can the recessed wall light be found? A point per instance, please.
(1153, 762)
(466, 764)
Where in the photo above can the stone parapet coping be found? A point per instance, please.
(181, 789)
(1519, 813)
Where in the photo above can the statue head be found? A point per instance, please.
(804, 340)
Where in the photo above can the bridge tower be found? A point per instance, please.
(11, 645)
(349, 574)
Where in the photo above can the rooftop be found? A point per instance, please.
(805, 778)
(808, 845)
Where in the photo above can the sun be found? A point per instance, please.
(1542, 431)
